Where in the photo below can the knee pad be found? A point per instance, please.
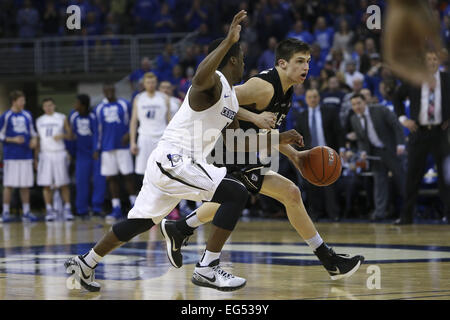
(128, 229)
(232, 196)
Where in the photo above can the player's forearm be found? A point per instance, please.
(203, 78)
(287, 150)
(245, 115)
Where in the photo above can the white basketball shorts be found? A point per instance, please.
(18, 173)
(116, 161)
(146, 145)
(53, 169)
(171, 177)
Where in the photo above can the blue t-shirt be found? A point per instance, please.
(84, 128)
(113, 120)
(13, 124)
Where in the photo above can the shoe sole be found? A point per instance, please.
(168, 245)
(350, 273)
(83, 284)
(212, 286)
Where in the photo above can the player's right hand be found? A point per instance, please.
(134, 149)
(265, 120)
(235, 27)
(291, 137)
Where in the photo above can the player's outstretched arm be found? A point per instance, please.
(264, 120)
(205, 76)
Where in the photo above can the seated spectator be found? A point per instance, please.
(27, 20)
(189, 59)
(100, 10)
(374, 74)
(338, 59)
(204, 35)
(386, 94)
(299, 33)
(164, 22)
(111, 24)
(185, 84)
(317, 60)
(176, 77)
(50, 20)
(250, 57)
(351, 73)
(196, 16)
(165, 62)
(298, 105)
(343, 37)
(323, 34)
(333, 95)
(362, 59)
(267, 59)
(136, 76)
(93, 25)
(144, 13)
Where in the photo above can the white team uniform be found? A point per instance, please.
(152, 116)
(175, 104)
(53, 166)
(177, 168)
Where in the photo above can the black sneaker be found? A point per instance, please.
(174, 240)
(339, 266)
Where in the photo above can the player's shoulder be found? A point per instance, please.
(5, 114)
(258, 86)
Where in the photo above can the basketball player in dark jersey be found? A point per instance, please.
(270, 91)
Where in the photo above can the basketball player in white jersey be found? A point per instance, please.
(151, 108)
(53, 164)
(177, 168)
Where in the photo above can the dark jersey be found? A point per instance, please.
(280, 103)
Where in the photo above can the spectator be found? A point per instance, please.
(333, 96)
(189, 59)
(351, 73)
(164, 22)
(337, 59)
(323, 34)
(137, 75)
(50, 20)
(250, 57)
(165, 63)
(144, 12)
(267, 59)
(379, 134)
(18, 138)
(317, 60)
(361, 58)
(28, 21)
(93, 25)
(196, 16)
(203, 36)
(299, 33)
(343, 37)
(176, 77)
(111, 24)
(319, 127)
(386, 90)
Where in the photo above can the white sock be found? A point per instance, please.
(92, 258)
(132, 199)
(67, 206)
(48, 207)
(315, 242)
(193, 221)
(115, 202)
(26, 208)
(209, 257)
(6, 207)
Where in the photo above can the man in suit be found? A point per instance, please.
(320, 126)
(429, 125)
(379, 134)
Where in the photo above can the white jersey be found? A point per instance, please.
(175, 104)
(151, 113)
(195, 133)
(48, 127)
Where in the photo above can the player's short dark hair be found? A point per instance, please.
(84, 100)
(357, 95)
(288, 47)
(47, 100)
(16, 94)
(232, 52)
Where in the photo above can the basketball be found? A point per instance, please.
(321, 166)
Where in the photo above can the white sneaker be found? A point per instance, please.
(74, 266)
(213, 276)
(50, 216)
(68, 216)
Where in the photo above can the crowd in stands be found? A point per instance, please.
(346, 55)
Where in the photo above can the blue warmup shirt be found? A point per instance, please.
(113, 120)
(14, 124)
(84, 128)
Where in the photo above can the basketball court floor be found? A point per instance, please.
(402, 262)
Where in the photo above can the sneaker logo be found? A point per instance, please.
(336, 271)
(213, 279)
(173, 245)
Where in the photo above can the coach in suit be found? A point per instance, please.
(379, 134)
(320, 126)
(428, 124)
